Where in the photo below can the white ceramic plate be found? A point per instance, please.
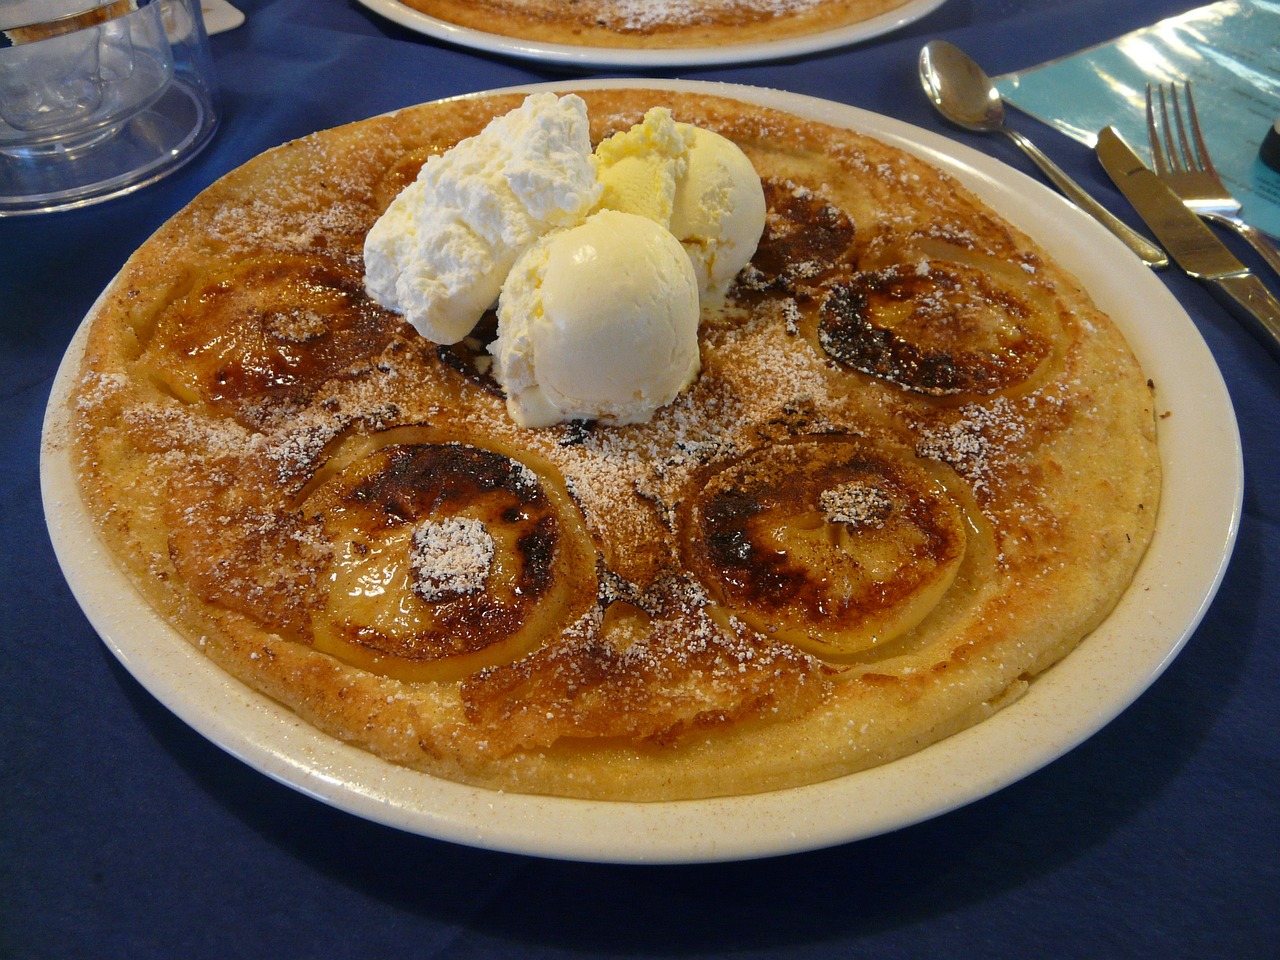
(619, 57)
(1073, 700)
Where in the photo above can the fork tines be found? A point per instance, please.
(1184, 155)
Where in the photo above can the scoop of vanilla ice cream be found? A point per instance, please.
(694, 182)
(718, 213)
(639, 168)
(443, 248)
(598, 322)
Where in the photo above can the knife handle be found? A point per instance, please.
(1257, 239)
(1148, 252)
(1261, 309)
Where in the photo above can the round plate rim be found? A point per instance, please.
(1182, 570)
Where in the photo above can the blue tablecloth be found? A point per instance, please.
(125, 834)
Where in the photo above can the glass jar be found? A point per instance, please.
(99, 98)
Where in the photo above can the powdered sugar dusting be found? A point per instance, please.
(450, 557)
(857, 504)
(975, 443)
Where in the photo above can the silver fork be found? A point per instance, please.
(1185, 166)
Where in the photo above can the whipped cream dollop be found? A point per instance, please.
(443, 248)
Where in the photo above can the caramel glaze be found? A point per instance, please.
(469, 357)
(807, 242)
(767, 577)
(421, 480)
(936, 329)
(833, 582)
(428, 480)
(286, 326)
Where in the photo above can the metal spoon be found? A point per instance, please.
(965, 95)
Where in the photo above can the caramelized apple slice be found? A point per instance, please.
(273, 327)
(937, 327)
(831, 543)
(807, 242)
(447, 559)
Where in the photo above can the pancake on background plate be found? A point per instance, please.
(654, 24)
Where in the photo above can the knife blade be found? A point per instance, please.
(1193, 246)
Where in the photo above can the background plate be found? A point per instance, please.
(1195, 532)
(615, 57)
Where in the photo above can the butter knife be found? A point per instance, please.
(1191, 244)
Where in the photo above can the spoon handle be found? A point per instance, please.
(1151, 255)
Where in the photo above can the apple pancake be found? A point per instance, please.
(917, 468)
(654, 24)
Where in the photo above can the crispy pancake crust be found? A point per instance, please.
(918, 467)
(654, 24)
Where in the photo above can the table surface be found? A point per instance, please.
(125, 834)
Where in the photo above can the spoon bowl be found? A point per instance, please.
(959, 89)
